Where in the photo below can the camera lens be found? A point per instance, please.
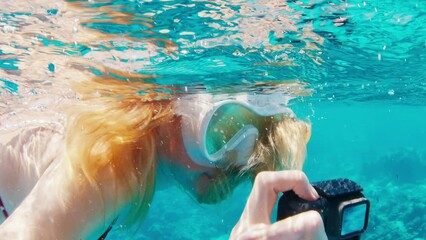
(354, 216)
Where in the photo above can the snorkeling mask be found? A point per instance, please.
(211, 127)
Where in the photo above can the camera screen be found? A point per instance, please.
(354, 218)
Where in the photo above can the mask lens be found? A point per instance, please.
(225, 123)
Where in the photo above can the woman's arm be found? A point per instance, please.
(62, 207)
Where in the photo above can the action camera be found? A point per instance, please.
(342, 206)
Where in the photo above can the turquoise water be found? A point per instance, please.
(363, 63)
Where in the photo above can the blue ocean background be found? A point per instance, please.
(360, 64)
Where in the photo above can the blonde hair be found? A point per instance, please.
(111, 137)
(283, 148)
(281, 144)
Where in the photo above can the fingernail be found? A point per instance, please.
(314, 192)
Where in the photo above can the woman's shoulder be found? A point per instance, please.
(35, 123)
(34, 113)
(31, 139)
(23, 120)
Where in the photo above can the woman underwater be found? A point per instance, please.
(67, 173)
(73, 166)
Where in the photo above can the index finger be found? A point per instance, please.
(265, 191)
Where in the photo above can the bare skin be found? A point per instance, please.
(44, 201)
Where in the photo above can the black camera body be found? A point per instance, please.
(342, 206)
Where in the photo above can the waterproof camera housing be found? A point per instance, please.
(342, 206)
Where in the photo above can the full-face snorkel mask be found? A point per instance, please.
(210, 130)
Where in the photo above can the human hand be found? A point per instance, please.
(255, 220)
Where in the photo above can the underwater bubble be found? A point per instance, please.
(52, 11)
(51, 67)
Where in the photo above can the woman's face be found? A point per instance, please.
(206, 184)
